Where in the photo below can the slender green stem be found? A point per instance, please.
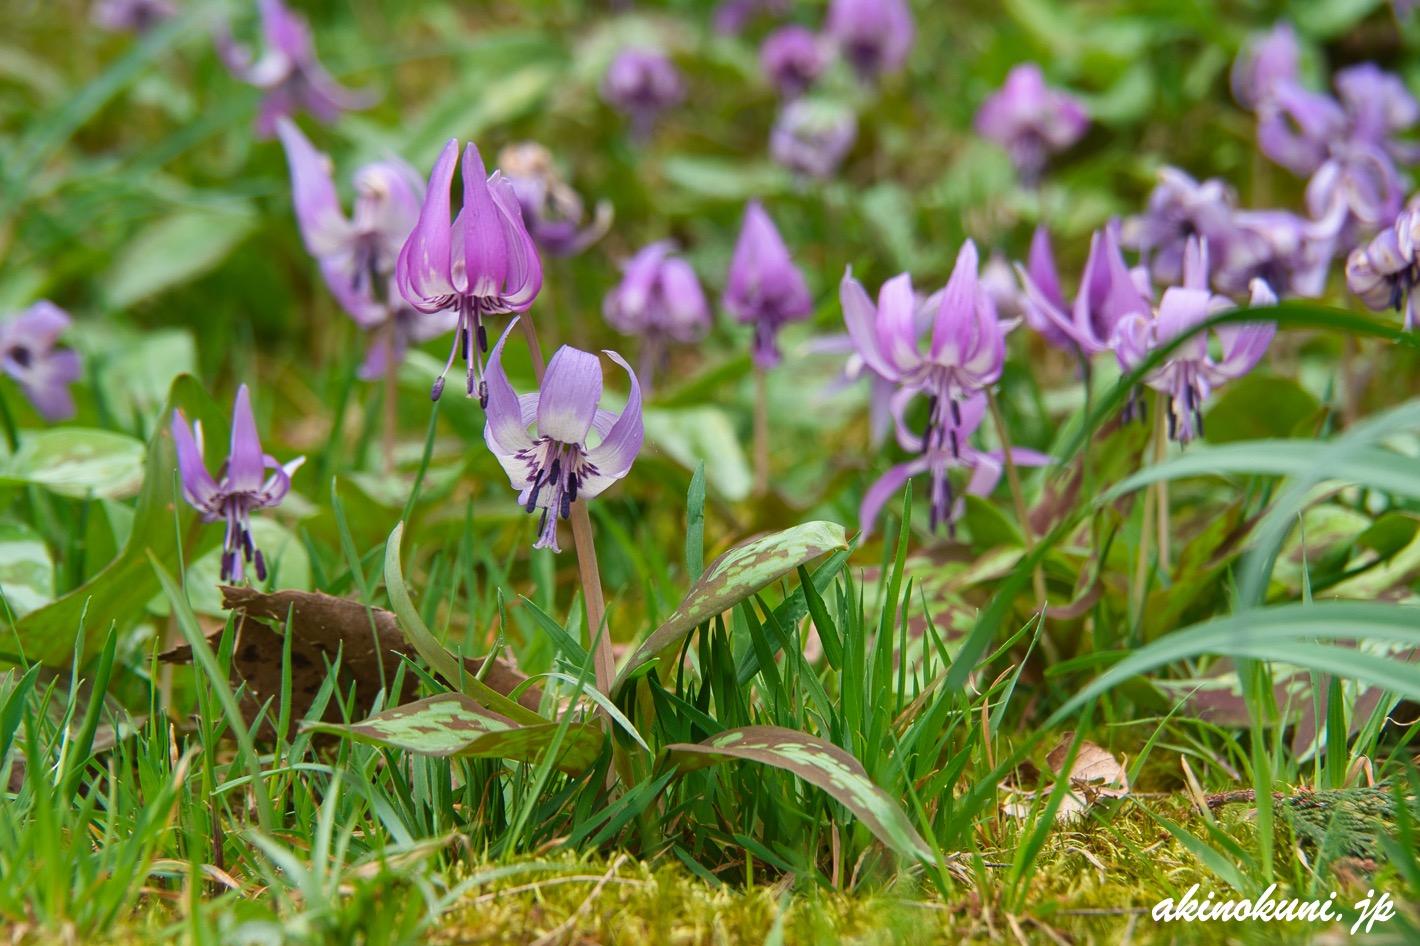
(761, 432)
(1013, 478)
(1141, 569)
(1161, 488)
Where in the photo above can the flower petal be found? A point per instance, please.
(507, 428)
(523, 279)
(423, 271)
(245, 465)
(485, 246)
(956, 319)
(861, 317)
(324, 228)
(198, 487)
(615, 454)
(568, 395)
(887, 486)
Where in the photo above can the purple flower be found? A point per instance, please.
(660, 300)
(1384, 272)
(812, 137)
(1263, 64)
(1180, 209)
(1030, 120)
(642, 83)
(28, 355)
(552, 210)
(131, 16)
(1191, 373)
(244, 485)
(1277, 247)
(875, 36)
(1108, 292)
(765, 289)
(288, 70)
(938, 461)
(485, 263)
(559, 465)
(792, 58)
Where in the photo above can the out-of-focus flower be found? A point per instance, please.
(552, 210)
(1180, 208)
(999, 281)
(1275, 246)
(560, 465)
(1384, 272)
(288, 70)
(358, 255)
(812, 136)
(1030, 120)
(792, 58)
(938, 461)
(875, 36)
(131, 16)
(1264, 63)
(1190, 375)
(244, 485)
(765, 289)
(1108, 292)
(28, 355)
(660, 300)
(485, 263)
(642, 83)
(732, 16)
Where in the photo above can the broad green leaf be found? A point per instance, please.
(733, 577)
(723, 179)
(435, 654)
(78, 461)
(1389, 534)
(177, 249)
(817, 762)
(1257, 407)
(138, 370)
(26, 569)
(451, 724)
(690, 436)
(119, 592)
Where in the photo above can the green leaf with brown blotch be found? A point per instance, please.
(817, 762)
(734, 577)
(451, 724)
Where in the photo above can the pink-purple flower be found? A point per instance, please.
(1031, 120)
(578, 451)
(1384, 272)
(812, 136)
(552, 211)
(288, 71)
(131, 16)
(642, 83)
(874, 36)
(243, 487)
(484, 263)
(792, 57)
(765, 289)
(29, 356)
(660, 300)
(1108, 291)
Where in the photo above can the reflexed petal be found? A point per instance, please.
(1131, 341)
(567, 400)
(614, 455)
(278, 484)
(198, 487)
(423, 272)
(986, 472)
(1244, 344)
(1041, 267)
(887, 486)
(245, 464)
(861, 317)
(485, 239)
(506, 431)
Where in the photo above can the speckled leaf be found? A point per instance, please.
(77, 461)
(26, 569)
(735, 576)
(817, 762)
(451, 724)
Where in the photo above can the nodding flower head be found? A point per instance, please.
(1031, 120)
(28, 355)
(642, 83)
(812, 136)
(1108, 292)
(243, 487)
(288, 70)
(1384, 272)
(552, 211)
(875, 36)
(765, 289)
(659, 299)
(578, 450)
(484, 263)
(792, 58)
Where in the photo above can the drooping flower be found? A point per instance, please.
(243, 487)
(28, 355)
(1108, 292)
(1191, 373)
(1276, 246)
(765, 289)
(1263, 64)
(561, 464)
(938, 461)
(812, 136)
(1031, 120)
(484, 263)
(642, 83)
(1180, 209)
(660, 300)
(792, 58)
(288, 70)
(1384, 272)
(131, 16)
(552, 211)
(874, 36)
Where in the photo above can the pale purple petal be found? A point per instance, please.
(569, 394)
(507, 429)
(198, 487)
(614, 455)
(245, 465)
(888, 486)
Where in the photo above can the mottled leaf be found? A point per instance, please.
(817, 762)
(733, 577)
(451, 724)
(26, 569)
(78, 461)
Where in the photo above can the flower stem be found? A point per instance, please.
(603, 662)
(1013, 478)
(1161, 487)
(1146, 539)
(761, 432)
(391, 398)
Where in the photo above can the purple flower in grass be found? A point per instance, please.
(1263, 64)
(642, 83)
(792, 58)
(1031, 120)
(578, 450)
(1191, 373)
(28, 355)
(813, 136)
(937, 461)
(765, 289)
(131, 16)
(1108, 292)
(288, 70)
(875, 36)
(552, 211)
(659, 299)
(484, 263)
(1277, 247)
(244, 485)
(1384, 272)
(1180, 209)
